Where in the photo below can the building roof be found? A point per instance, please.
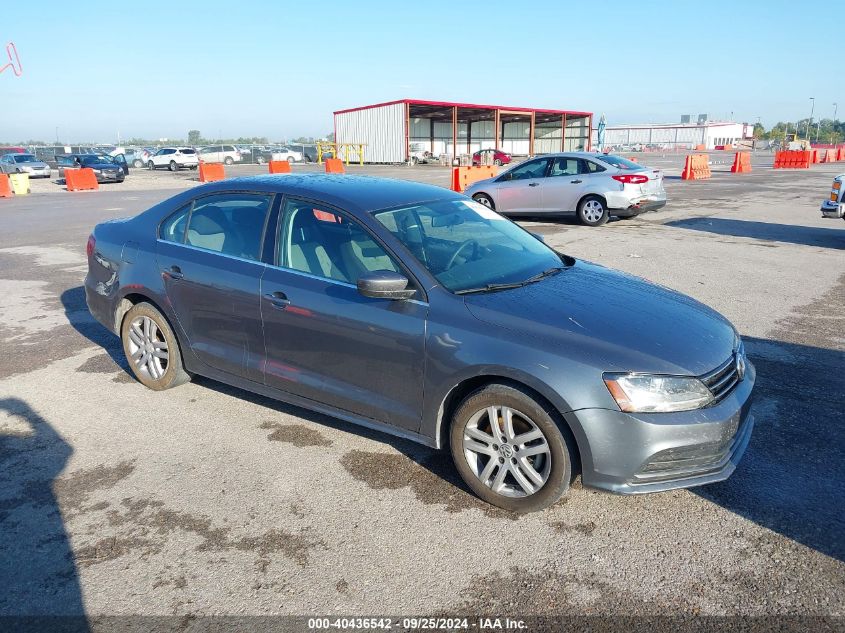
(469, 106)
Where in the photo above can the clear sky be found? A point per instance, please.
(279, 69)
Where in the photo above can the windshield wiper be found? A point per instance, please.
(545, 273)
(490, 288)
(516, 284)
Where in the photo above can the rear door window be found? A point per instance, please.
(231, 224)
(173, 228)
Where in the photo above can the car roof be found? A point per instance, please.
(347, 192)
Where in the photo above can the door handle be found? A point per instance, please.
(575, 181)
(533, 184)
(279, 299)
(174, 272)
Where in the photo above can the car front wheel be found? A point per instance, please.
(151, 165)
(174, 166)
(509, 450)
(483, 198)
(151, 348)
(228, 160)
(592, 211)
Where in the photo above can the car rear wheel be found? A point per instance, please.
(291, 159)
(483, 198)
(151, 165)
(174, 166)
(228, 160)
(137, 163)
(509, 450)
(498, 162)
(151, 348)
(592, 211)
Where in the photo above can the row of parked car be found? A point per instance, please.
(40, 163)
(179, 157)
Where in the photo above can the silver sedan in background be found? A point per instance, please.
(593, 186)
(24, 164)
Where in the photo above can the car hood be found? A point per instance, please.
(613, 321)
(38, 164)
(102, 166)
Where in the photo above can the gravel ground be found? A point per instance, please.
(205, 500)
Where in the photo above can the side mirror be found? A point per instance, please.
(384, 284)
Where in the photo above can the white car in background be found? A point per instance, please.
(286, 153)
(173, 158)
(227, 154)
(592, 186)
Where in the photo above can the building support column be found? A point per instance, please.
(496, 123)
(407, 132)
(469, 137)
(590, 133)
(563, 132)
(454, 132)
(431, 133)
(531, 133)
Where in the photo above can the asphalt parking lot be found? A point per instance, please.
(207, 500)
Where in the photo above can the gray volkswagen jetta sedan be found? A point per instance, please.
(414, 310)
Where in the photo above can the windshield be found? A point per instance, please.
(467, 246)
(24, 158)
(91, 160)
(621, 163)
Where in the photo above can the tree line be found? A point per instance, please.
(821, 131)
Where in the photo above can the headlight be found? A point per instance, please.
(640, 393)
(97, 171)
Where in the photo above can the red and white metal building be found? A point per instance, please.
(388, 130)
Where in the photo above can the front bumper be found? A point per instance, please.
(109, 176)
(831, 209)
(43, 172)
(631, 453)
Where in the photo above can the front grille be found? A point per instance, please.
(722, 380)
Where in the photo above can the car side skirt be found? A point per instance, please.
(277, 394)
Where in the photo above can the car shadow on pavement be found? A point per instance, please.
(791, 477)
(833, 237)
(38, 574)
(77, 314)
(437, 463)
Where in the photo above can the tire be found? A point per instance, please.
(173, 166)
(260, 160)
(137, 163)
(498, 162)
(228, 160)
(154, 372)
(192, 166)
(151, 166)
(592, 211)
(291, 160)
(483, 198)
(546, 472)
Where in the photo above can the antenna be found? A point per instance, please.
(14, 60)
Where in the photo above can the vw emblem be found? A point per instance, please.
(740, 366)
(506, 450)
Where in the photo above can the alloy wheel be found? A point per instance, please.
(148, 348)
(507, 451)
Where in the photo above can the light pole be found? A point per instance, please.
(810, 122)
(833, 130)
